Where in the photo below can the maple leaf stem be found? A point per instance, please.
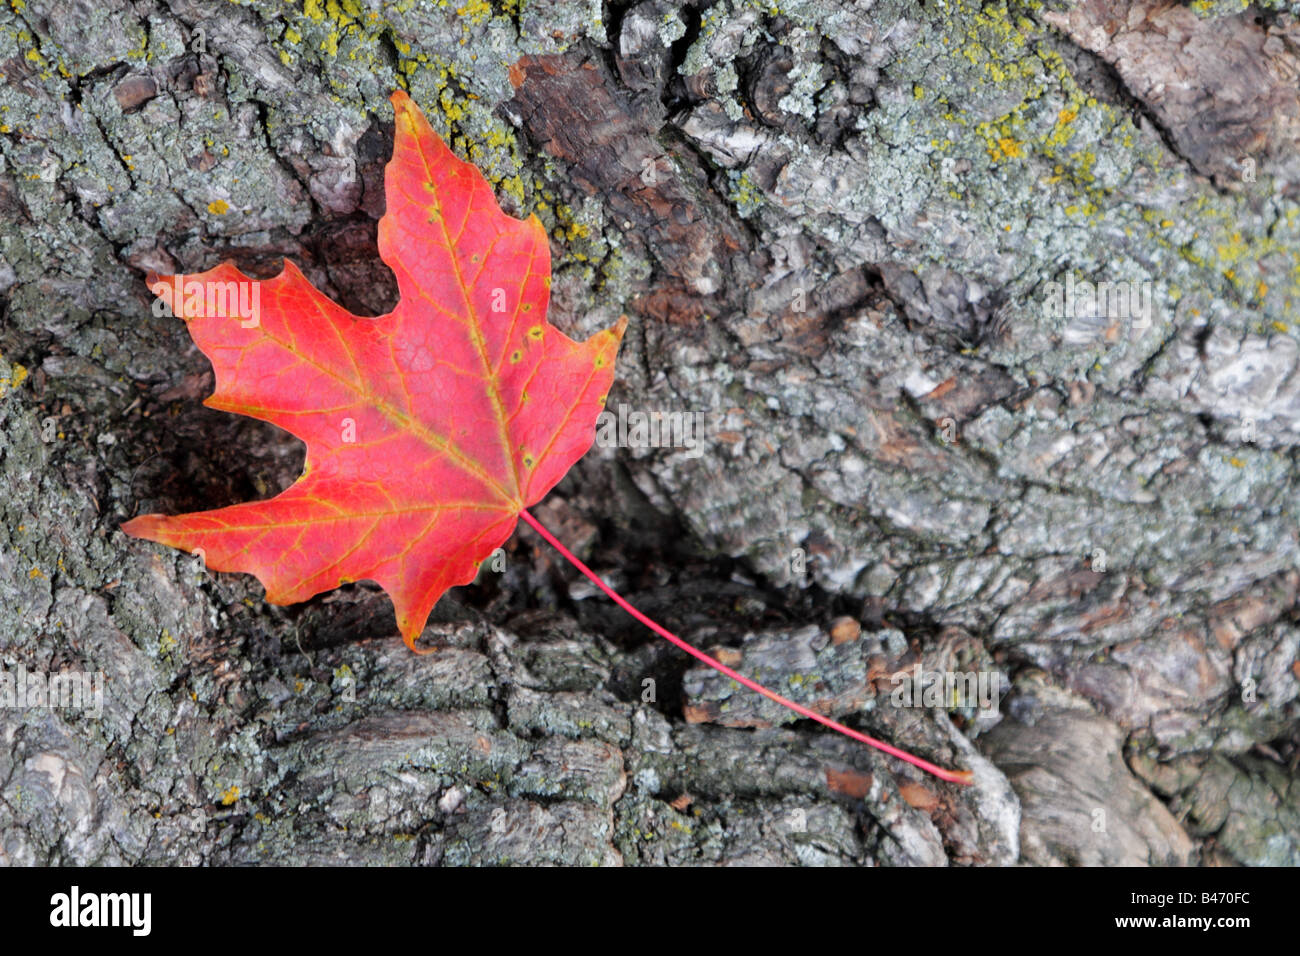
(952, 776)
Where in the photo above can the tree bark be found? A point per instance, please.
(987, 311)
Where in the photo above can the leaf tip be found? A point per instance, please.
(411, 634)
(143, 526)
(407, 115)
(608, 342)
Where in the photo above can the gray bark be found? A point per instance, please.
(835, 227)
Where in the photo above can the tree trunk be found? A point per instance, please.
(985, 312)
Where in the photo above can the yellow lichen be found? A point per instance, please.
(1010, 147)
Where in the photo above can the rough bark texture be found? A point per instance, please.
(835, 226)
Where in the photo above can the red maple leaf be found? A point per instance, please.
(428, 429)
